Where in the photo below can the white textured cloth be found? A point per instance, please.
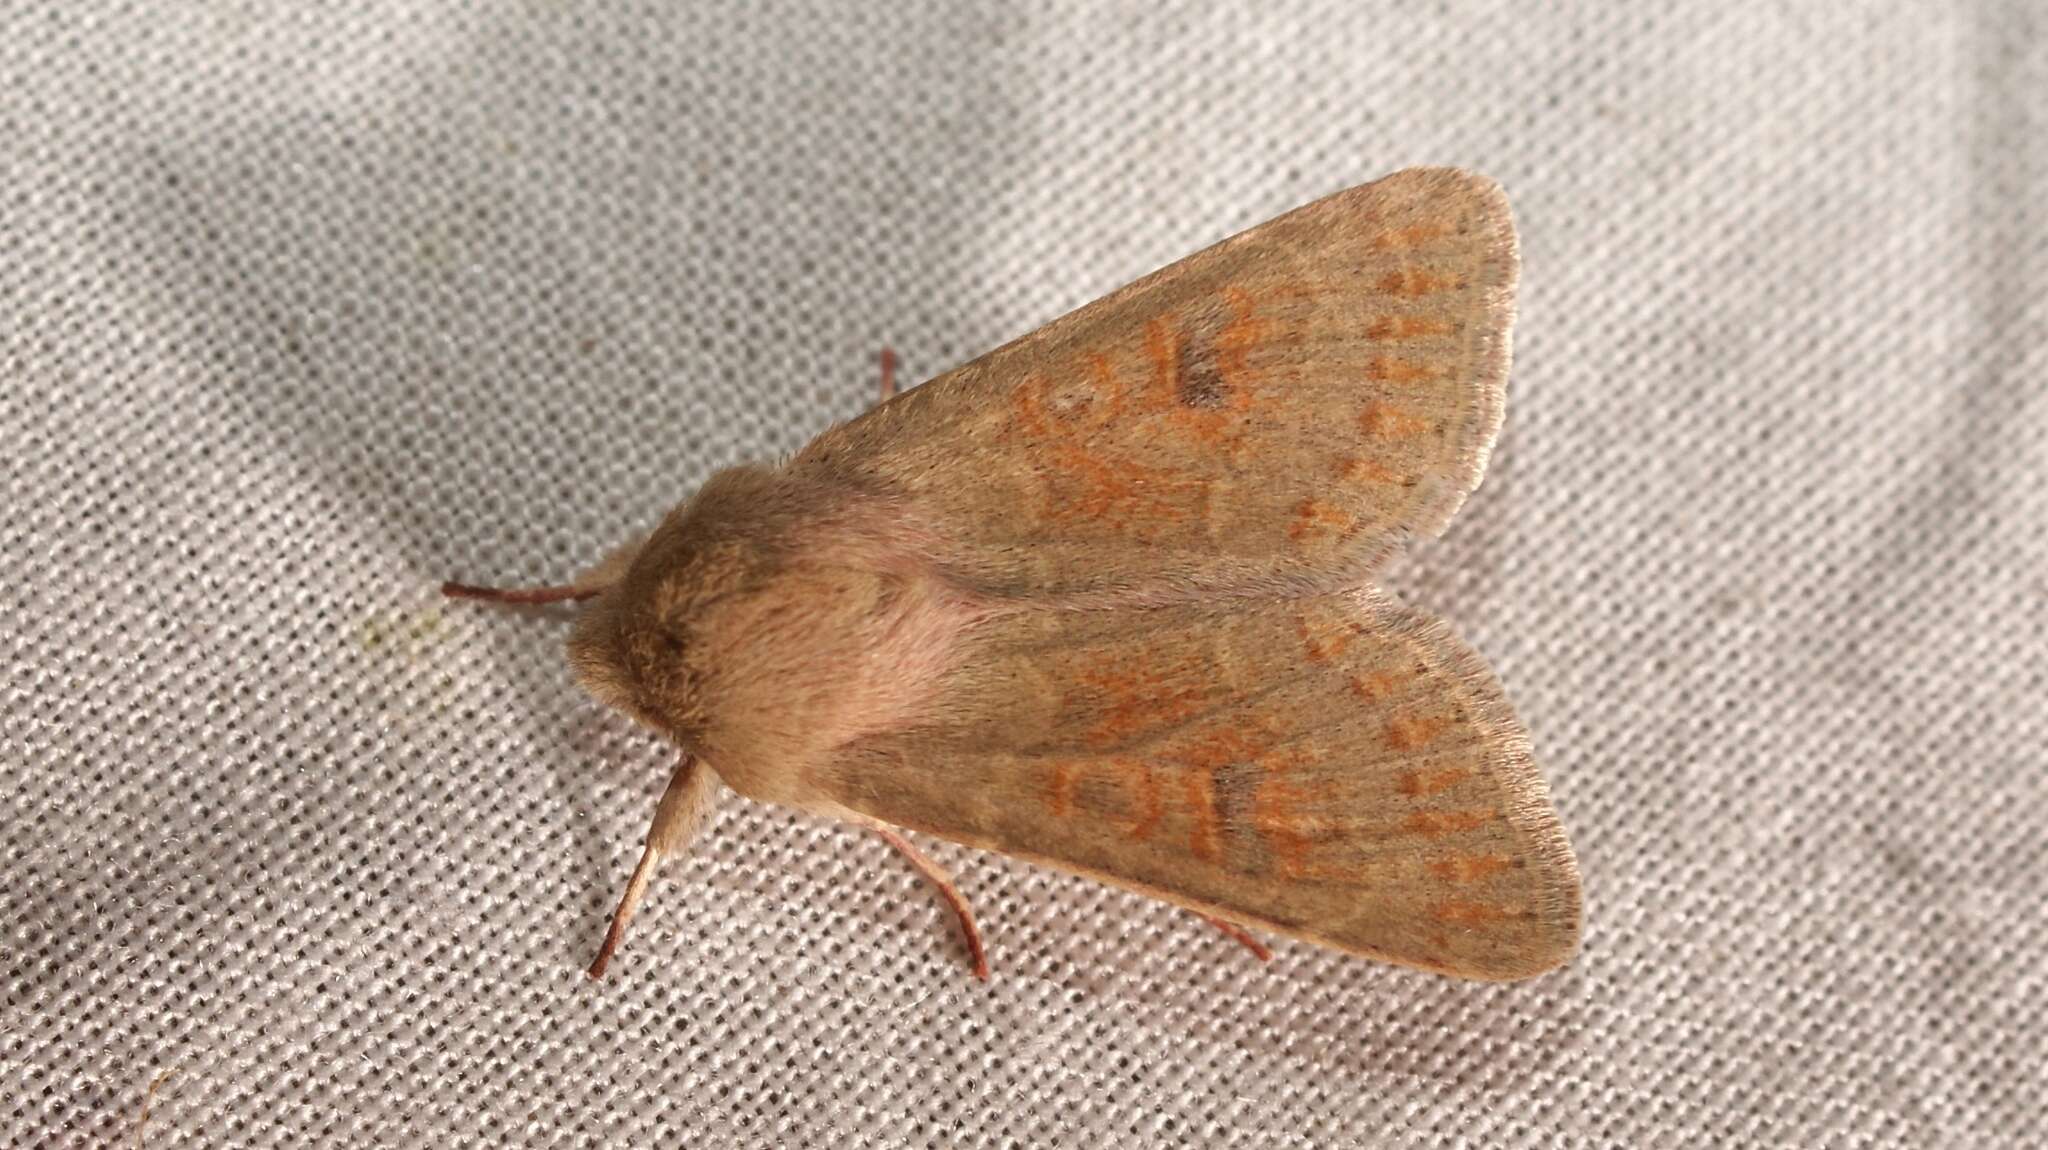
(307, 309)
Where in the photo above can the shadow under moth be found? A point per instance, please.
(1100, 599)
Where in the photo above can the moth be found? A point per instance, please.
(1101, 600)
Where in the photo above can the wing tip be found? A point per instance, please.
(1559, 901)
(1481, 199)
(1492, 358)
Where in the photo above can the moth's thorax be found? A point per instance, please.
(767, 622)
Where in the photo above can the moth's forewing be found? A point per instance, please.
(1275, 410)
(1335, 768)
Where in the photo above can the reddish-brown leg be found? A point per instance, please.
(939, 878)
(518, 594)
(888, 374)
(1242, 935)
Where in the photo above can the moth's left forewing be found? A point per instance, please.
(1336, 768)
(1276, 411)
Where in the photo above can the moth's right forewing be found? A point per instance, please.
(1271, 413)
(1335, 768)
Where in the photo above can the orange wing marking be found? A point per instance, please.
(1201, 380)
(1414, 281)
(1353, 469)
(1278, 814)
(1419, 783)
(1200, 383)
(1322, 644)
(1199, 789)
(1317, 521)
(1412, 236)
(1243, 333)
(1204, 760)
(1391, 328)
(1412, 734)
(1059, 794)
(1150, 805)
(1376, 686)
(1385, 421)
(1086, 484)
(1388, 369)
(1138, 700)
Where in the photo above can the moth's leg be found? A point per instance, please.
(888, 374)
(1258, 949)
(676, 819)
(561, 594)
(939, 878)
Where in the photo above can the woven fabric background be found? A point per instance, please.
(307, 308)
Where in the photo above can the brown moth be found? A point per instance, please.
(1099, 600)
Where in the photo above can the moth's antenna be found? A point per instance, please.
(561, 594)
(676, 819)
(888, 374)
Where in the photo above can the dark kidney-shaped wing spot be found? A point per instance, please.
(1198, 381)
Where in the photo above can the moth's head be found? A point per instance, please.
(638, 646)
(601, 655)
